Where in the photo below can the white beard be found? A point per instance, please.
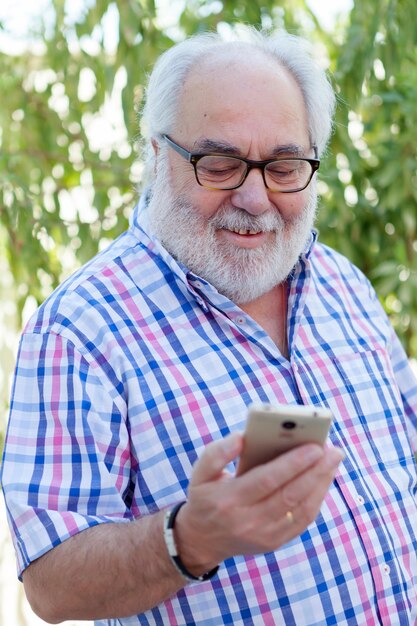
(241, 274)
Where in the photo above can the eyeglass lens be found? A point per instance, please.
(226, 172)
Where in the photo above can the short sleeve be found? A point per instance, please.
(67, 463)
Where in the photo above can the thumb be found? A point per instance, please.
(215, 457)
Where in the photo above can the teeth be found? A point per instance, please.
(245, 231)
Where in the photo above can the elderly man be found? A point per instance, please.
(134, 377)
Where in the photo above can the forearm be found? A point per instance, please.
(110, 570)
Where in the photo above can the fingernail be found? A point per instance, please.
(232, 443)
(335, 455)
(313, 454)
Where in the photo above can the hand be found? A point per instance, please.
(253, 513)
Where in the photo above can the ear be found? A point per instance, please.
(155, 147)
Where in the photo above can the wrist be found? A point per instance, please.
(171, 541)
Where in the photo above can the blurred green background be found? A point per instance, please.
(71, 87)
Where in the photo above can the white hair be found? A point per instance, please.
(290, 51)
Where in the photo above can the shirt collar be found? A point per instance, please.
(141, 228)
(308, 248)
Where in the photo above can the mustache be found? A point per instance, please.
(231, 218)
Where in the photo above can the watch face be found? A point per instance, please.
(169, 535)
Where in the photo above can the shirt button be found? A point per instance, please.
(386, 569)
(240, 320)
(360, 500)
(197, 284)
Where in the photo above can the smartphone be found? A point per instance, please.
(274, 429)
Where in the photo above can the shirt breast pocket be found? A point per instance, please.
(369, 403)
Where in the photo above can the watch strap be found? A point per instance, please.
(169, 524)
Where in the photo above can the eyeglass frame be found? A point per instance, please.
(194, 158)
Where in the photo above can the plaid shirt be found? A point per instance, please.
(134, 365)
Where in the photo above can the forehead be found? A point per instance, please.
(245, 98)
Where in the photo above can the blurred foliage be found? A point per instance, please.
(370, 209)
(69, 163)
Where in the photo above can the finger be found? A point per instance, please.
(264, 480)
(298, 503)
(316, 482)
(215, 457)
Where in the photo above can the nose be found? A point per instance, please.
(252, 195)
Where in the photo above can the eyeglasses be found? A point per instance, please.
(219, 171)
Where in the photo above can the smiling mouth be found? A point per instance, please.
(244, 231)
